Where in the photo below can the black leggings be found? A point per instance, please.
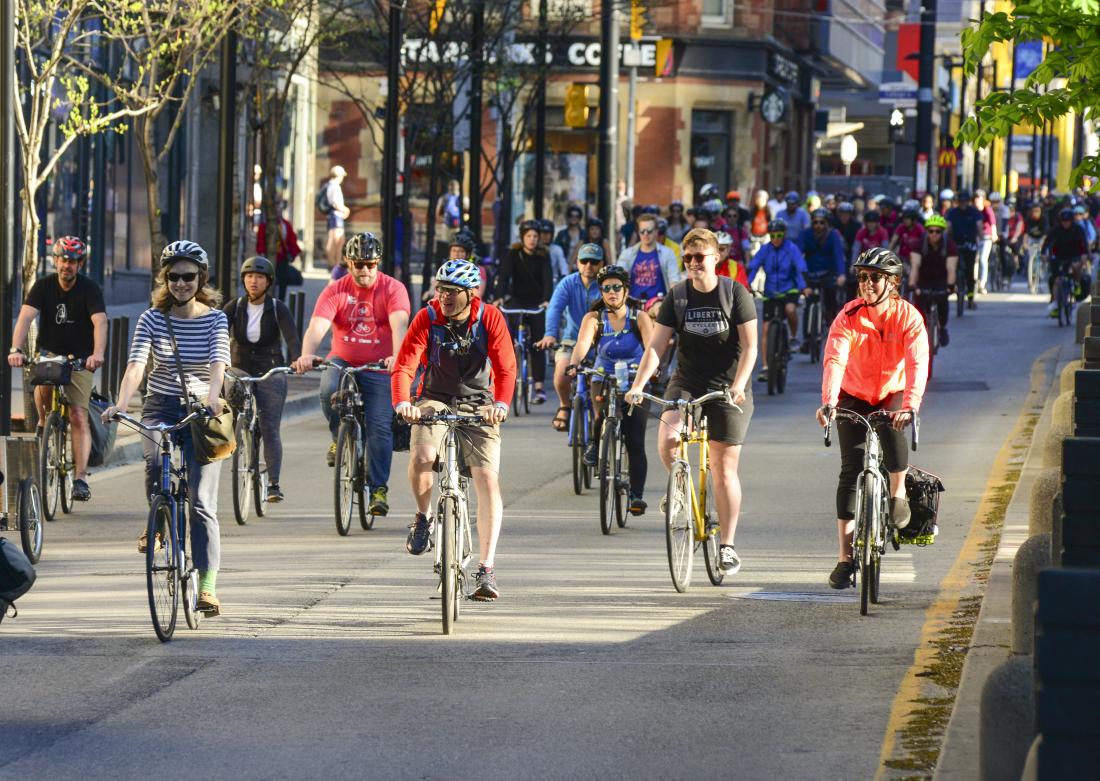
(633, 427)
(536, 329)
(924, 302)
(853, 440)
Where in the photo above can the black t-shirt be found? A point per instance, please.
(707, 349)
(65, 320)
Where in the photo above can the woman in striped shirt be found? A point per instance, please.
(202, 343)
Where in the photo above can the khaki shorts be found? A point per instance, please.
(478, 446)
(564, 350)
(79, 390)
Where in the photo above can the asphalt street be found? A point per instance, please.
(329, 661)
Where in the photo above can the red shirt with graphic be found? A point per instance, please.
(360, 317)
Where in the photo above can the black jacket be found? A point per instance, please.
(276, 326)
(526, 279)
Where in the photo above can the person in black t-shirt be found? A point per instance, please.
(716, 349)
(69, 302)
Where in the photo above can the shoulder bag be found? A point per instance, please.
(212, 438)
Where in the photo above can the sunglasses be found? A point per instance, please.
(695, 257)
(364, 263)
(590, 261)
(935, 230)
(777, 235)
(187, 276)
(646, 231)
(617, 288)
(448, 291)
(873, 277)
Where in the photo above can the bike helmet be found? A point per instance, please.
(995, 197)
(363, 246)
(935, 221)
(1010, 201)
(460, 273)
(872, 216)
(819, 214)
(463, 239)
(1080, 209)
(258, 264)
(184, 250)
(947, 194)
(733, 195)
(529, 225)
(662, 225)
(574, 209)
(724, 239)
(886, 203)
(845, 208)
(1065, 213)
(713, 207)
(590, 252)
(616, 272)
(793, 197)
(979, 193)
(594, 222)
(546, 226)
(677, 204)
(879, 259)
(962, 195)
(777, 226)
(71, 248)
(708, 191)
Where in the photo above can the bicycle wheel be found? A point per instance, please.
(679, 527)
(607, 473)
(448, 571)
(259, 476)
(784, 359)
(519, 380)
(31, 531)
(67, 467)
(162, 569)
(814, 335)
(49, 465)
(242, 466)
(961, 283)
(710, 544)
(527, 384)
(345, 479)
(622, 480)
(366, 518)
(772, 351)
(866, 560)
(576, 442)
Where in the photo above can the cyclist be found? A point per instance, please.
(594, 234)
(797, 218)
(932, 268)
(740, 215)
(987, 237)
(909, 235)
(258, 326)
(652, 267)
(964, 223)
(619, 329)
(368, 312)
(572, 299)
(677, 224)
(463, 348)
(871, 236)
(1036, 228)
(888, 215)
(784, 278)
(559, 266)
(927, 206)
(846, 223)
(947, 200)
(1067, 247)
(729, 263)
(759, 217)
(525, 281)
(572, 235)
(662, 238)
(199, 351)
(1014, 234)
(715, 328)
(461, 247)
(823, 248)
(71, 302)
(876, 358)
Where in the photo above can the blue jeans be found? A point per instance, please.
(202, 485)
(270, 400)
(377, 414)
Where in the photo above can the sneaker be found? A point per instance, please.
(971, 304)
(591, 453)
(899, 512)
(81, 491)
(945, 338)
(420, 535)
(378, 503)
(728, 560)
(274, 493)
(637, 505)
(982, 291)
(1052, 309)
(841, 576)
(795, 345)
(540, 397)
(208, 604)
(486, 580)
(330, 457)
(763, 375)
(143, 542)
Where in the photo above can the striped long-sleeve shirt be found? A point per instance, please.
(201, 340)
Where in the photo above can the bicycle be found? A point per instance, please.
(964, 280)
(1036, 264)
(936, 297)
(873, 525)
(28, 518)
(1063, 283)
(691, 517)
(778, 349)
(248, 466)
(56, 464)
(814, 316)
(613, 466)
(522, 346)
(582, 419)
(453, 540)
(349, 480)
(170, 575)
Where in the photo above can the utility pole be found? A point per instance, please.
(540, 113)
(227, 140)
(979, 79)
(391, 140)
(924, 96)
(609, 105)
(477, 75)
(8, 266)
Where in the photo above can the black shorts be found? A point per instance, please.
(724, 423)
(770, 305)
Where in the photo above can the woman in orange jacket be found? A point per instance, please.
(876, 358)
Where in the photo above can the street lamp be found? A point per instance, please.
(849, 149)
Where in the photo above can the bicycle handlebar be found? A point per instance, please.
(262, 377)
(869, 421)
(76, 363)
(682, 404)
(451, 418)
(163, 428)
(373, 366)
(538, 311)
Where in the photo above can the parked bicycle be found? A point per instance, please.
(249, 468)
(56, 465)
(170, 575)
(691, 515)
(873, 527)
(524, 349)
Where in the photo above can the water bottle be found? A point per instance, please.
(622, 374)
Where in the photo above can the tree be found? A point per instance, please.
(1069, 73)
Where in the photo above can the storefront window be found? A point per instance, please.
(711, 148)
(717, 12)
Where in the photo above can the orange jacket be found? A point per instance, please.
(871, 356)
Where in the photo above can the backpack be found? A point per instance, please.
(16, 576)
(323, 204)
(680, 299)
(632, 323)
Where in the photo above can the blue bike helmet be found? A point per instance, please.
(460, 273)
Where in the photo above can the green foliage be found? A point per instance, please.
(1068, 79)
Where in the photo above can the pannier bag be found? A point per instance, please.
(923, 489)
(16, 576)
(103, 434)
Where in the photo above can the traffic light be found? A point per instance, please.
(576, 105)
(639, 18)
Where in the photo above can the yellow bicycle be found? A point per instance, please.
(691, 519)
(56, 465)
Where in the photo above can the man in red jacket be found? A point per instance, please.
(465, 351)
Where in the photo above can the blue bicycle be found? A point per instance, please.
(582, 418)
(169, 572)
(522, 346)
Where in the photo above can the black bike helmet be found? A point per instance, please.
(184, 250)
(463, 239)
(529, 225)
(1065, 213)
(962, 195)
(258, 264)
(617, 272)
(363, 246)
(879, 259)
(845, 208)
(819, 214)
(777, 226)
(595, 222)
(546, 226)
(872, 216)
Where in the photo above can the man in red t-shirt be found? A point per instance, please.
(368, 312)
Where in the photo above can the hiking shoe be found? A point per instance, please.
(208, 604)
(899, 512)
(841, 576)
(591, 453)
(728, 560)
(378, 503)
(143, 542)
(330, 457)
(637, 505)
(81, 491)
(486, 590)
(420, 535)
(274, 493)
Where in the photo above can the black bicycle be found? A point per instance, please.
(964, 280)
(27, 519)
(614, 463)
(814, 316)
(935, 298)
(249, 467)
(777, 351)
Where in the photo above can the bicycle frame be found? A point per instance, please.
(452, 486)
(523, 349)
(584, 430)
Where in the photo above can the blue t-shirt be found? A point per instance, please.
(452, 210)
(646, 279)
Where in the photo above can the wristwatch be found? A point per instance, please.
(15, 350)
